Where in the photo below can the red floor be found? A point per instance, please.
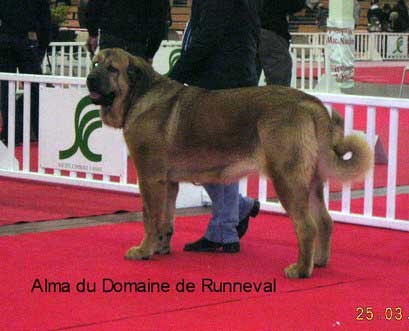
(29, 201)
(368, 269)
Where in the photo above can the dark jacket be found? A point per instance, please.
(18, 17)
(402, 23)
(376, 12)
(274, 13)
(222, 50)
(142, 21)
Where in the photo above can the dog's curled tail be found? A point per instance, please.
(349, 158)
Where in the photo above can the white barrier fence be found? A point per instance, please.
(80, 125)
(67, 59)
(369, 46)
(189, 195)
(372, 104)
(310, 63)
(71, 59)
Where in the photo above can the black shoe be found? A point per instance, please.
(202, 245)
(244, 223)
(231, 247)
(205, 245)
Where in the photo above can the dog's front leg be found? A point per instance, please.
(167, 227)
(154, 194)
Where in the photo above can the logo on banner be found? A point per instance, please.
(85, 123)
(174, 57)
(398, 46)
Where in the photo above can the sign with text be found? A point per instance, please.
(72, 136)
(341, 48)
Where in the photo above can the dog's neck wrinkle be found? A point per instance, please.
(135, 95)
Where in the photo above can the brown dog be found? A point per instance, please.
(177, 133)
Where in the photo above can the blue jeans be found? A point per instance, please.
(228, 207)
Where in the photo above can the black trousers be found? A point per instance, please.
(133, 47)
(25, 55)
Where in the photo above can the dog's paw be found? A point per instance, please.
(294, 271)
(321, 260)
(319, 263)
(163, 250)
(137, 253)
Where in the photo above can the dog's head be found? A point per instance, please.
(116, 80)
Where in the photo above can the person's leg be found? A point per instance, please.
(29, 62)
(247, 208)
(221, 231)
(110, 41)
(226, 213)
(230, 213)
(134, 47)
(246, 204)
(216, 194)
(275, 58)
(213, 237)
(7, 64)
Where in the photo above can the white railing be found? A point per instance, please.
(67, 59)
(369, 46)
(372, 104)
(26, 170)
(24, 162)
(310, 62)
(71, 59)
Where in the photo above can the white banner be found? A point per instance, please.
(341, 48)
(166, 56)
(397, 47)
(72, 136)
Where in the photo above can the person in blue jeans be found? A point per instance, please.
(219, 52)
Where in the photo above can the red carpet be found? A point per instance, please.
(25, 201)
(368, 269)
(374, 75)
(380, 75)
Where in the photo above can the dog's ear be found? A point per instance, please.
(135, 74)
(140, 74)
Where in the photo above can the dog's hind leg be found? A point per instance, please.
(290, 153)
(324, 223)
(293, 196)
(166, 229)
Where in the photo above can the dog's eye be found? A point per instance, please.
(113, 69)
(95, 64)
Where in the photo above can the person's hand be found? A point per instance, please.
(92, 44)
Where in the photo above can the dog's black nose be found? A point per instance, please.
(92, 82)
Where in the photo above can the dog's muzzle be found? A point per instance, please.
(102, 100)
(98, 86)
